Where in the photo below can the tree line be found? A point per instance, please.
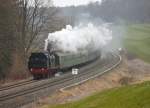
(132, 11)
(22, 26)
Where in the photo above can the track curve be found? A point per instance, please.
(96, 75)
(27, 94)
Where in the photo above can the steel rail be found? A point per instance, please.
(16, 85)
(61, 83)
(39, 87)
(45, 85)
(92, 77)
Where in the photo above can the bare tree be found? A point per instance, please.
(6, 36)
(21, 24)
(32, 18)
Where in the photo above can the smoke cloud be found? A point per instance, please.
(84, 37)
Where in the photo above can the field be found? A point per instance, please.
(135, 96)
(137, 41)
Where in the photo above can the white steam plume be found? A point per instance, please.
(82, 37)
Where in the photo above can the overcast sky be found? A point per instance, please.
(62, 3)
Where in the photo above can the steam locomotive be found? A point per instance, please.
(46, 64)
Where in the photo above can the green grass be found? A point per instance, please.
(137, 41)
(135, 96)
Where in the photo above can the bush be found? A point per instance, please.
(125, 80)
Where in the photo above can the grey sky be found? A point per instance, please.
(63, 3)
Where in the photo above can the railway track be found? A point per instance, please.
(39, 87)
(11, 86)
(57, 83)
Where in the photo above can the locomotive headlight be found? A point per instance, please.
(31, 69)
(42, 69)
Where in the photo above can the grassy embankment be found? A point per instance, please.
(135, 96)
(137, 42)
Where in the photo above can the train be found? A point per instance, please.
(46, 64)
